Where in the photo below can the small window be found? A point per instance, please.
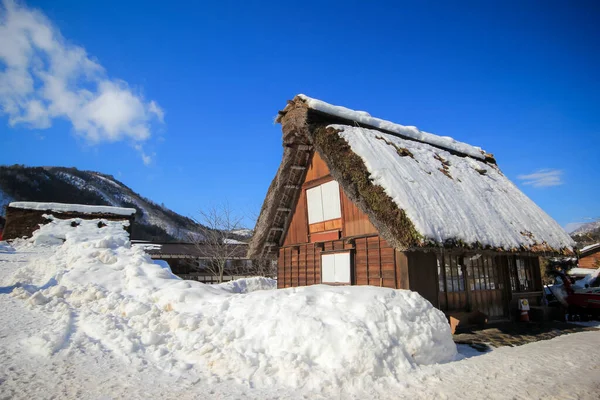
(323, 202)
(335, 268)
(522, 277)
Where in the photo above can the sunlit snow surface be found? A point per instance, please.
(96, 284)
(448, 197)
(95, 318)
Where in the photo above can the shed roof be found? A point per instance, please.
(67, 207)
(589, 249)
(187, 250)
(418, 189)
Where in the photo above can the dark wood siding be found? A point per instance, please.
(356, 223)
(423, 276)
(298, 229)
(317, 169)
(590, 261)
(402, 277)
(374, 263)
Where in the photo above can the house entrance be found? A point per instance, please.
(472, 282)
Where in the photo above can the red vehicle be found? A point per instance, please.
(582, 297)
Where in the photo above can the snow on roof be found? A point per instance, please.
(448, 197)
(64, 207)
(407, 131)
(589, 247)
(581, 271)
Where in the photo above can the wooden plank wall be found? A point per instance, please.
(590, 261)
(298, 266)
(423, 275)
(317, 169)
(374, 262)
(356, 222)
(298, 229)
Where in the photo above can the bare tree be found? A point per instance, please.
(216, 238)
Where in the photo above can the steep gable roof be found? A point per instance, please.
(418, 189)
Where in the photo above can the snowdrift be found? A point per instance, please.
(96, 287)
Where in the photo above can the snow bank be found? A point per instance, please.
(451, 197)
(247, 285)
(5, 247)
(314, 337)
(64, 207)
(588, 279)
(412, 132)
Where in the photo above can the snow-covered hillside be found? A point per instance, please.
(69, 185)
(85, 315)
(587, 227)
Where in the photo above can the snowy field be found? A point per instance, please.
(95, 318)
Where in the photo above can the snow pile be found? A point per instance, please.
(588, 279)
(412, 132)
(6, 248)
(64, 207)
(247, 285)
(96, 287)
(451, 197)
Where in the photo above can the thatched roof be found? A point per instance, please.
(419, 190)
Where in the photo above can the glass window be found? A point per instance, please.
(522, 274)
(451, 276)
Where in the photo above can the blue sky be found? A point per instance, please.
(177, 100)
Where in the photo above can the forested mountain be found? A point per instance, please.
(70, 185)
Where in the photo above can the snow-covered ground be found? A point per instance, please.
(96, 318)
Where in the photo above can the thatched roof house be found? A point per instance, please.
(24, 217)
(416, 192)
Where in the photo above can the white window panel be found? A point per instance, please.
(314, 205)
(335, 268)
(330, 195)
(342, 267)
(328, 268)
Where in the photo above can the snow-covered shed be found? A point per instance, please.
(362, 201)
(24, 217)
(190, 260)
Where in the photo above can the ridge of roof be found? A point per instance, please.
(410, 132)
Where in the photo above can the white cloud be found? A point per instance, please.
(146, 158)
(543, 178)
(43, 77)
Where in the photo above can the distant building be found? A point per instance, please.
(589, 256)
(191, 260)
(362, 201)
(24, 217)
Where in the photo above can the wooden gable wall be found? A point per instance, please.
(353, 222)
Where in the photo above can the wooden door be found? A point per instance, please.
(486, 285)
